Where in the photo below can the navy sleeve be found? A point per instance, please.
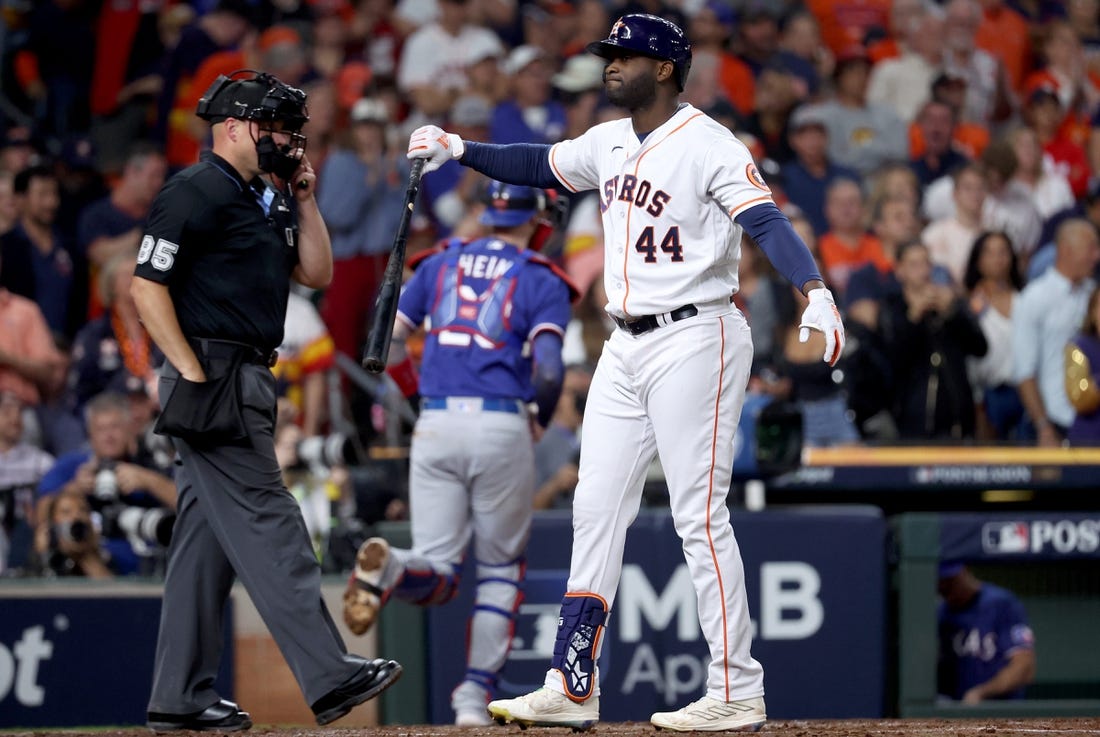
(549, 373)
(772, 231)
(516, 163)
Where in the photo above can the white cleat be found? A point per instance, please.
(547, 708)
(469, 700)
(712, 715)
(363, 596)
(472, 718)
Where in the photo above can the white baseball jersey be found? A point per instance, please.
(667, 205)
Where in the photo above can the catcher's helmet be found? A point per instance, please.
(647, 35)
(509, 205)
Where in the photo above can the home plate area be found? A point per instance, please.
(794, 728)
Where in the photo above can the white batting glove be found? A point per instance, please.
(436, 145)
(822, 314)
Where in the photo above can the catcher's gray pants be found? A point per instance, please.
(236, 519)
(472, 474)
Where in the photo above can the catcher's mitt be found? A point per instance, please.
(360, 606)
(363, 597)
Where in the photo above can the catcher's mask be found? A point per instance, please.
(276, 107)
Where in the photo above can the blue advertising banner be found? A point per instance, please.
(1008, 536)
(81, 661)
(817, 597)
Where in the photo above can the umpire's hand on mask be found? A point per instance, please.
(822, 314)
(436, 145)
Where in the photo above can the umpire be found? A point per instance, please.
(212, 287)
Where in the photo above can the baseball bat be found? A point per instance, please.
(385, 307)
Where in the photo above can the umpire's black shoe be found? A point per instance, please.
(375, 677)
(224, 716)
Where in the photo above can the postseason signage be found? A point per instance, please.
(817, 598)
(1031, 536)
(937, 468)
(80, 661)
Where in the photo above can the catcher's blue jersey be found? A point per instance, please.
(976, 642)
(482, 301)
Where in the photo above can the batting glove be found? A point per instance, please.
(822, 314)
(436, 145)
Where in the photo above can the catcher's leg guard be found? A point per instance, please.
(580, 627)
(426, 583)
(492, 622)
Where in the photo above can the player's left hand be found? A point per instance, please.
(822, 314)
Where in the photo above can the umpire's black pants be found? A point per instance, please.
(237, 519)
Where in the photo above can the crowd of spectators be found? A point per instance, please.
(942, 160)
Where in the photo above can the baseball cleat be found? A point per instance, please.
(472, 718)
(546, 708)
(364, 596)
(712, 715)
(469, 700)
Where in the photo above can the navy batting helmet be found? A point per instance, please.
(647, 35)
(509, 205)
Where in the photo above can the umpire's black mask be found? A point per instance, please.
(277, 108)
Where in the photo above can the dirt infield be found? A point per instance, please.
(800, 728)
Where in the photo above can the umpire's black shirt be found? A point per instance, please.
(225, 248)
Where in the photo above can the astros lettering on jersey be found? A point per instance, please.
(667, 205)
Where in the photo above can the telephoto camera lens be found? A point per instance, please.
(75, 531)
(326, 451)
(150, 525)
(72, 531)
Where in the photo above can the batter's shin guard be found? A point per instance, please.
(580, 627)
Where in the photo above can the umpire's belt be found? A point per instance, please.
(645, 323)
(474, 404)
(229, 350)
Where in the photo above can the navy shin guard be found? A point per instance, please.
(580, 627)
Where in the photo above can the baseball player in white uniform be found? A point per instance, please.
(677, 189)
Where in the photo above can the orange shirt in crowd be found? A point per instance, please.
(23, 332)
(737, 82)
(1004, 34)
(1077, 125)
(844, 23)
(840, 259)
(969, 139)
(183, 148)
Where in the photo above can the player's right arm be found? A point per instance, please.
(569, 164)
(549, 316)
(158, 263)
(158, 314)
(411, 311)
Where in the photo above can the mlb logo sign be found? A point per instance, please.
(1006, 537)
